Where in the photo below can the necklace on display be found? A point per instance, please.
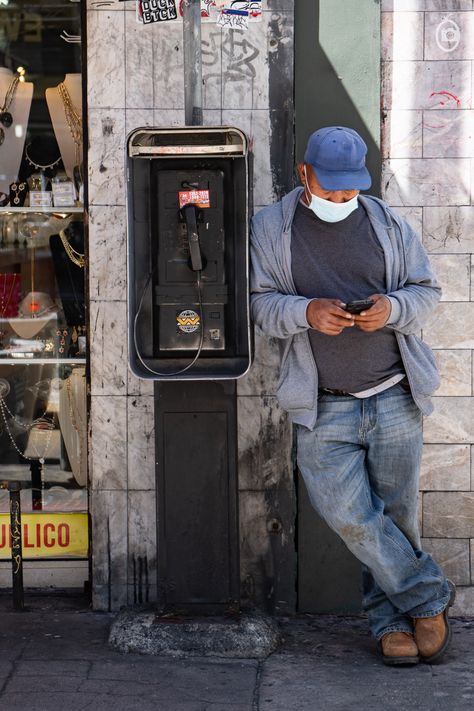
(38, 166)
(76, 257)
(45, 424)
(6, 119)
(73, 119)
(4, 300)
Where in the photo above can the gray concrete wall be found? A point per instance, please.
(135, 78)
(427, 141)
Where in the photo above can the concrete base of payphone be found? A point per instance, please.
(253, 636)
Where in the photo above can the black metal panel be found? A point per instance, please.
(198, 550)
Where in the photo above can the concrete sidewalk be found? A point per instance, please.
(55, 657)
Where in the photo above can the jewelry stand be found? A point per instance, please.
(11, 149)
(72, 421)
(70, 277)
(73, 84)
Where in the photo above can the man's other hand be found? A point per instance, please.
(377, 316)
(328, 316)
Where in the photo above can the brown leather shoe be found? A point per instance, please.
(433, 634)
(399, 648)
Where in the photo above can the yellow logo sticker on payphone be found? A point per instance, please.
(188, 321)
(200, 198)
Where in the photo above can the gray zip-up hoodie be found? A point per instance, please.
(280, 312)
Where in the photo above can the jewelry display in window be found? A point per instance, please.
(6, 118)
(67, 250)
(35, 311)
(63, 337)
(73, 422)
(4, 199)
(40, 191)
(76, 257)
(10, 294)
(73, 119)
(64, 194)
(48, 169)
(39, 433)
(65, 108)
(18, 193)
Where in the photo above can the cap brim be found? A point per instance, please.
(343, 180)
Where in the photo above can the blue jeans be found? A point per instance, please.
(361, 469)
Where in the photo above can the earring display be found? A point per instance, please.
(18, 193)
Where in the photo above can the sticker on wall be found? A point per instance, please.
(207, 8)
(243, 11)
(448, 35)
(157, 11)
(188, 321)
(252, 7)
(233, 19)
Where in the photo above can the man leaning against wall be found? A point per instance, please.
(345, 285)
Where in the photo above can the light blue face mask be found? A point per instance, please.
(331, 211)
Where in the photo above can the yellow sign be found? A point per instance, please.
(48, 535)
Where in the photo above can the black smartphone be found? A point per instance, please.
(355, 307)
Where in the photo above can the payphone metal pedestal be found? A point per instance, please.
(189, 330)
(197, 500)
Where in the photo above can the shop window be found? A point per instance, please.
(43, 413)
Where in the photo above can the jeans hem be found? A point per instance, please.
(423, 616)
(393, 628)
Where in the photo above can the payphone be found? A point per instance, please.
(188, 286)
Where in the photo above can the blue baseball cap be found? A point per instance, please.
(337, 156)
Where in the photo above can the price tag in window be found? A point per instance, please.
(41, 198)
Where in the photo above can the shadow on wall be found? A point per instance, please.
(351, 36)
(337, 82)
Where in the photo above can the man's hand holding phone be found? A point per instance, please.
(332, 316)
(375, 317)
(328, 316)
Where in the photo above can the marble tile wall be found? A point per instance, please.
(135, 78)
(428, 151)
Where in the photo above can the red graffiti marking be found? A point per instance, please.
(448, 94)
(447, 97)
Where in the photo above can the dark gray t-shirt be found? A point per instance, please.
(344, 260)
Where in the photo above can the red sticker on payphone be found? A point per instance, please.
(200, 198)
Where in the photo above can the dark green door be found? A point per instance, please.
(337, 82)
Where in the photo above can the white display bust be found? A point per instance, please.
(11, 150)
(73, 83)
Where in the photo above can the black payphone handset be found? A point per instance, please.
(188, 214)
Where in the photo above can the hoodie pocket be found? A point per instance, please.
(420, 363)
(297, 381)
